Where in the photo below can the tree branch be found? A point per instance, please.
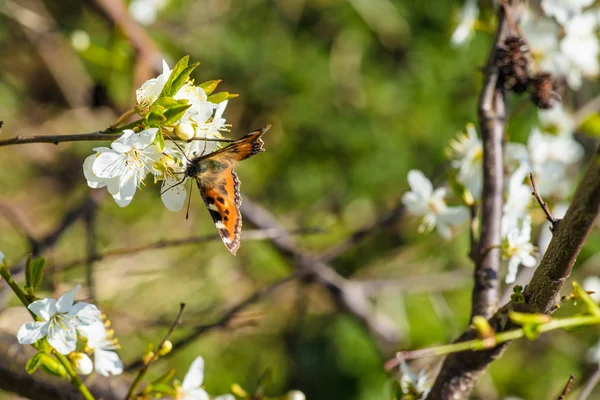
(492, 113)
(82, 137)
(460, 372)
(349, 295)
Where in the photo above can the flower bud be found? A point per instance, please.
(295, 395)
(185, 131)
(165, 348)
(81, 363)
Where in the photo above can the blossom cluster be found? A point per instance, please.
(551, 154)
(176, 116)
(564, 40)
(68, 326)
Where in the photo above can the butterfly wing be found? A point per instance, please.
(222, 199)
(241, 149)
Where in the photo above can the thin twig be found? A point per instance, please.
(82, 137)
(154, 357)
(542, 203)
(590, 385)
(567, 388)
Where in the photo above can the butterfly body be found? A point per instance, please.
(220, 187)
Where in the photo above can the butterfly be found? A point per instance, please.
(220, 186)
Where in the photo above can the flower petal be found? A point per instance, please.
(31, 332)
(109, 164)
(196, 394)
(419, 183)
(84, 313)
(62, 335)
(107, 362)
(174, 194)
(93, 181)
(65, 302)
(45, 309)
(195, 375)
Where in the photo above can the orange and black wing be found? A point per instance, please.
(241, 149)
(222, 199)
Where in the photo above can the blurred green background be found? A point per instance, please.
(358, 92)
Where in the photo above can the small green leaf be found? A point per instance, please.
(38, 272)
(591, 125)
(155, 118)
(177, 69)
(160, 388)
(159, 141)
(34, 269)
(209, 86)
(221, 97)
(174, 114)
(33, 363)
(165, 102)
(531, 331)
(53, 366)
(165, 377)
(591, 307)
(182, 78)
(28, 275)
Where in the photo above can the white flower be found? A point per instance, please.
(415, 384)
(423, 201)
(518, 200)
(564, 10)
(518, 249)
(556, 121)
(294, 395)
(81, 363)
(468, 19)
(100, 340)
(145, 11)
(191, 386)
(123, 167)
(466, 153)
(592, 284)
(150, 90)
(580, 46)
(225, 397)
(1, 258)
(59, 321)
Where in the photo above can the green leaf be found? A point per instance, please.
(48, 364)
(160, 388)
(155, 118)
(182, 78)
(33, 363)
(165, 102)
(221, 97)
(165, 377)
(591, 307)
(174, 114)
(53, 366)
(34, 271)
(531, 331)
(159, 141)
(209, 86)
(177, 69)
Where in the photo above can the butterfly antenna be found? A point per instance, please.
(178, 146)
(172, 186)
(187, 213)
